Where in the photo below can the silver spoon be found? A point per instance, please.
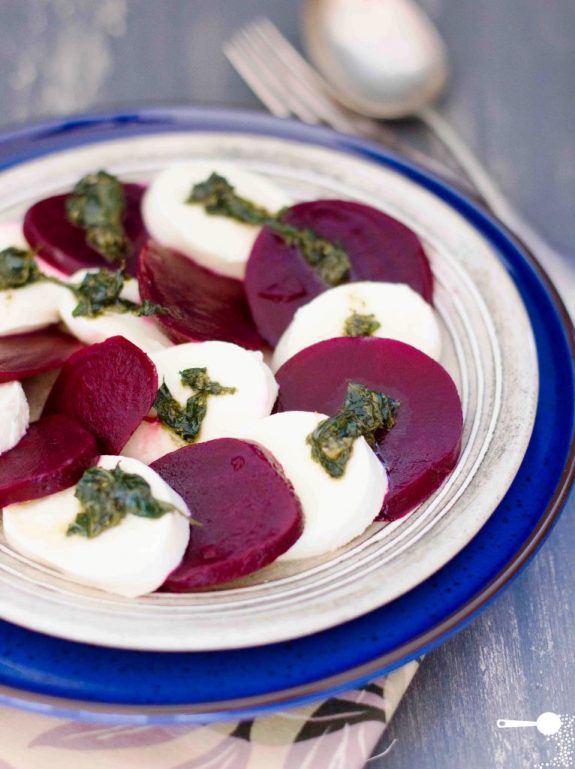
(385, 59)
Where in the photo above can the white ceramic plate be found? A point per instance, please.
(488, 349)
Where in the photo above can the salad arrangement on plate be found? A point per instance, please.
(239, 379)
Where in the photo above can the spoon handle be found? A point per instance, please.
(510, 723)
(561, 271)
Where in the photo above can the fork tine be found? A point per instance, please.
(313, 87)
(256, 57)
(259, 86)
(307, 87)
(282, 46)
(288, 85)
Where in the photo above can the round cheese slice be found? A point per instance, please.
(229, 365)
(32, 307)
(400, 312)
(335, 510)
(14, 415)
(218, 243)
(130, 559)
(144, 332)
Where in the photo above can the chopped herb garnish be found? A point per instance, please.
(361, 325)
(18, 268)
(100, 292)
(108, 496)
(363, 413)
(219, 198)
(97, 204)
(186, 421)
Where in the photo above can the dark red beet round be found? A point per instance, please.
(248, 511)
(279, 280)
(109, 388)
(202, 305)
(63, 245)
(24, 355)
(51, 457)
(423, 446)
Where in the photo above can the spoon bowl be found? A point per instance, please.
(385, 59)
(382, 58)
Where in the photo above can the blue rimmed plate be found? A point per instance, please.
(228, 682)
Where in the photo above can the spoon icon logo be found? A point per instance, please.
(559, 733)
(547, 724)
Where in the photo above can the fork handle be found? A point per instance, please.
(368, 128)
(561, 271)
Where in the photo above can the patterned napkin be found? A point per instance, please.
(338, 733)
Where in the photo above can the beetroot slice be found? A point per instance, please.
(63, 245)
(24, 355)
(423, 446)
(108, 388)
(279, 280)
(248, 511)
(203, 305)
(51, 457)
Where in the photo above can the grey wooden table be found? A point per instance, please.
(513, 96)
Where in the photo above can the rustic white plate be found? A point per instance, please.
(488, 348)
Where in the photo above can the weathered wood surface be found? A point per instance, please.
(513, 96)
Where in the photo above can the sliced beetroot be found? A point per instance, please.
(423, 446)
(24, 355)
(108, 388)
(248, 511)
(63, 245)
(51, 457)
(202, 305)
(279, 280)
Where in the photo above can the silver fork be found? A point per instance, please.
(289, 87)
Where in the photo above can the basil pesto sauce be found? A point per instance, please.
(18, 268)
(107, 496)
(97, 204)
(186, 421)
(219, 198)
(361, 325)
(363, 413)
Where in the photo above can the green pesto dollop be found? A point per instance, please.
(100, 292)
(186, 422)
(18, 268)
(107, 496)
(97, 204)
(361, 325)
(219, 198)
(363, 413)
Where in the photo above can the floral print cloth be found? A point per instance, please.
(337, 733)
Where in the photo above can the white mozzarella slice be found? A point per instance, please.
(229, 365)
(150, 441)
(144, 332)
(335, 510)
(216, 242)
(32, 307)
(14, 415)
(401, 312)
(12, 235)
(130, 559)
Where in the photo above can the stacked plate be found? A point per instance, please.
(294, 635)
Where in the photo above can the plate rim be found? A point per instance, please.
(435, 633)
(278, 616)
